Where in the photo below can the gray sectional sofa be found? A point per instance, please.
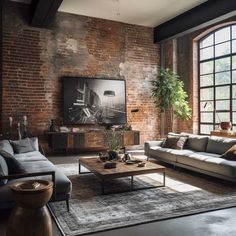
(200, 153)
(29, 163)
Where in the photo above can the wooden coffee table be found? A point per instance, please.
(121, 170)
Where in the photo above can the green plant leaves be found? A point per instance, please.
(168, 93)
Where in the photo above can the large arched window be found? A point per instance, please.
(217, 79)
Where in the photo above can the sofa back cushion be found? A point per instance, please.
(219, 145)
(196, 143)
(3, 170)
(6, 148)
(22, 146)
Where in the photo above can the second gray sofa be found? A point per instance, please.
(200, 153)
(31, 165)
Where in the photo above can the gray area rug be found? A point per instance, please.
(91, 212)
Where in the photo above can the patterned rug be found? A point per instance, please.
(91, 212)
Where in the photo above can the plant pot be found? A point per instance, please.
(113, 155)
(226, 125)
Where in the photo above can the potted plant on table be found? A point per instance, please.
(113, 140)
(170, 97)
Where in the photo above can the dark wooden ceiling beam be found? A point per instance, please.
(201, 16)
(42, 12)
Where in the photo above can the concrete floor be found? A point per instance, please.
(215, 223)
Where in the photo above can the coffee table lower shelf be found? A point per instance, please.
(104, 180)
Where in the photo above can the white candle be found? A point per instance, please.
(25, 120)
(10, 121)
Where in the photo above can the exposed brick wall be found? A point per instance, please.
(35, 59)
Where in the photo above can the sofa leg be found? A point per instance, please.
(68, 205)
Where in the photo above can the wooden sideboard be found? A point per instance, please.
(221, 134)
(92, 140)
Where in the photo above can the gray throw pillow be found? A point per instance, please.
(34, 143)
(14, 166)
(6, 148)
(22, 146)
(3, 170)
(175, 142)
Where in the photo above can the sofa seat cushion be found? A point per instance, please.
(168, 153)
(219, 145)
(209, 162)
(63, 184)
(30, 156)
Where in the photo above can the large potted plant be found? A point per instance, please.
(170, 97)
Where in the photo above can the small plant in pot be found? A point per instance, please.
(113, 140)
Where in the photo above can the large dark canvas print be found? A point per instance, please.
(94, 101)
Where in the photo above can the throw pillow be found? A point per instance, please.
(14, 166)
(3, 170)
(175, 142)
(6, 149)
(22, 146)
(230, 154)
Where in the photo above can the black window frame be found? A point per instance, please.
(214, 73)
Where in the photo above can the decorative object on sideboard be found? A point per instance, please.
(53, 127)
(226, 125)
(64, 129)
(223, 125)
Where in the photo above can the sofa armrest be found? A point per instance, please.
(41, 150)
(35, 174)
(149, 144)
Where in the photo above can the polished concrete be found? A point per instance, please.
(215, 223)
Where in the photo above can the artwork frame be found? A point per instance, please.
(88, 101)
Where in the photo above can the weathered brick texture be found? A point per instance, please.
(35, 59)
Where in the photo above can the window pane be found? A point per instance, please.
(206, 53)
(207, 94)
(206, 129)
(222, 117)
(222, 49)
(234, 76)
(207, 106)
(207, 41)
(223, 105)
(234, 128)
(234, 105)
(222, 64)
(222, 78)
(233, 46)
(234, 32)
(234, 91)
(207, 117)
(222, 35)
(234, 117)
(223, 92)
(234, 62)
(206, 80)
(206, 67)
